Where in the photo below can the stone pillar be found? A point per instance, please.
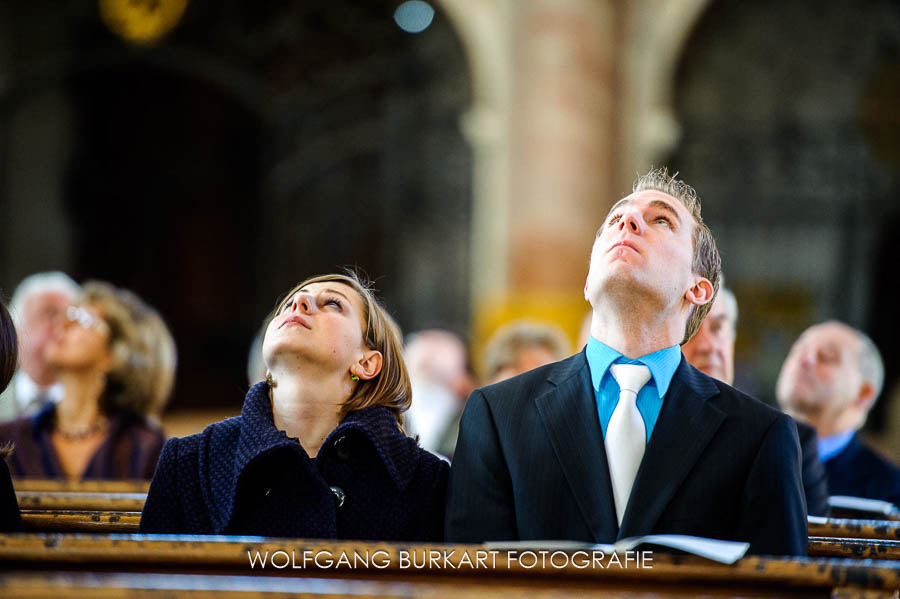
(544, 132)
(563, 138)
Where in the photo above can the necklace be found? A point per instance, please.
(83, 434)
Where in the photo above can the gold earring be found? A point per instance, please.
(354, 377)
(270, 381)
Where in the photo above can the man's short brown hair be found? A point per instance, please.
(706, 261)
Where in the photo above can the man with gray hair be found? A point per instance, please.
(711, 351)
(831, 379)
(438, 364)
(37, 306)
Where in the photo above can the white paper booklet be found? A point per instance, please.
(726, 552)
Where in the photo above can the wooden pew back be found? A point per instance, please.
(437, 570)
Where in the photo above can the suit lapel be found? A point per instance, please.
(686, 424)
(569, 413)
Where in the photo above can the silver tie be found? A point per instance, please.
(626, 435)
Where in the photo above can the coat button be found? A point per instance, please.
(342, 447)
(338, 495)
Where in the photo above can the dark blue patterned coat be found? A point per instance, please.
(244, 476)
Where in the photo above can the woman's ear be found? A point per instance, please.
(700, 293)
(369, 365)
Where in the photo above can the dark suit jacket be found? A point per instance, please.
(815, 481)
(530, 464)
(860, 472)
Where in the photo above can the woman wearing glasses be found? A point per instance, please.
(318, 450)
(115, 359)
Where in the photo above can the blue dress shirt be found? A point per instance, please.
(833, 445)
(662, 365)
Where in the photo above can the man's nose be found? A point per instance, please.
(808, 356)
(631, 220)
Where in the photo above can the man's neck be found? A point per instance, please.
(42, 377)
(635, 334)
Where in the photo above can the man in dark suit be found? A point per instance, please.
(831, 379)
(549, 455)
(711, 351)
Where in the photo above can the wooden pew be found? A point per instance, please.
(57, 564)
(833, 538)
(80, 521)
(854, 529)
(81, 501)
(39, 485)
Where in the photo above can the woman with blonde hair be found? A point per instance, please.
(115, 359)
(318, 450)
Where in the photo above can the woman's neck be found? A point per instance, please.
(308, 407)
(79, 409)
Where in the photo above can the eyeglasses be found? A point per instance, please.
(85, 319)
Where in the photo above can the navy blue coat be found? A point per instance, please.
(858, 471)
(244, 476)
(530, 464)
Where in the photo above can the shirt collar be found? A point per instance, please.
(832, 445)
(662, 363)
(27, 390)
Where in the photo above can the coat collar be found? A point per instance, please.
(257, 437)
(569, 414)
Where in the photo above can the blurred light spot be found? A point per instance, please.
(414, 16)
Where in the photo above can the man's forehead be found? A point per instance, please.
(650, 195)
(47, 298)
(832, 335)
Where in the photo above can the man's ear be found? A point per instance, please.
(865, 397)
(369, 365)
(700, 293)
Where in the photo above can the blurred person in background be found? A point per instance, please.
(36, 307)
(256, 366)
(10, 518)
(520, 346)
(830, 380)
(115, 359)
(438, 364)
(318, 450)
(711, 350)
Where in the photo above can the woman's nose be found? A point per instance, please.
(304, 303)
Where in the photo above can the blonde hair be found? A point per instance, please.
(144, 355)
(706, 260)
(510, 340)
(391, 387)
